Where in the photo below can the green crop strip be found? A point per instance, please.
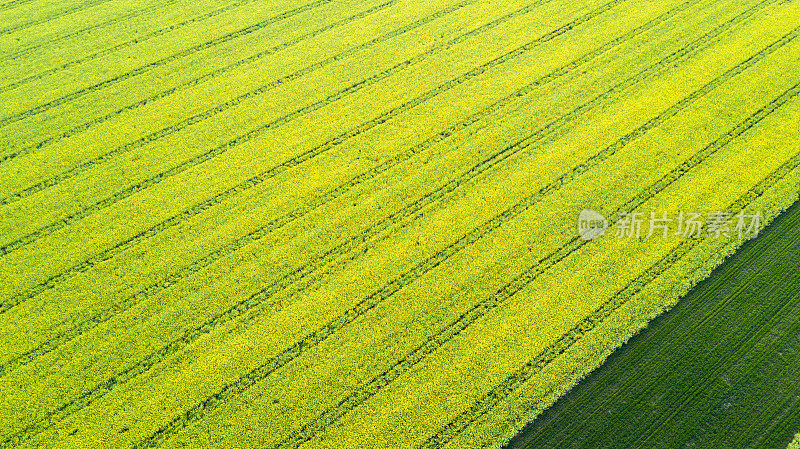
(726, 356)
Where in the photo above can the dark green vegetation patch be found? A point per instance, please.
(719, 370)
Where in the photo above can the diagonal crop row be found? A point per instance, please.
(747, 259)
(256, 375)
(754, 329)
(70, 173)
(208, 77)
(413, 207)
(56, 15)
(353, 401)
(250, 135)
(510, 385)
(260, 232)
(280, 168)
(134, 41)
(714, 420)
(96, 26)
(113, 381)
(161, 62)
(560, 346)
(666, 328)
(13, 4)
(726, 403)
(786, 416)
(241, 307)
(718, 299)
(254, 133)
(758, 326)
(753, 326)
(480, 309)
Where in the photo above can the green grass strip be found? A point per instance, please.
(720, 369)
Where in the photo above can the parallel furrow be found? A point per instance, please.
(120, 19)
(286, 165)
(252, 134)
(197, 81)
(161, 62)
(560, 442)
(143, 38)
(106, 51)
(716, 369)
(755, 330)
(66, 12)
(12, 4)
(231, 390)
(574, 335)
(790, 408)
(100, 391)
(710, 315)
(257, 234)
(498, 393)
(480, 309)
(191, 83)
(57, 179)
(747, 259)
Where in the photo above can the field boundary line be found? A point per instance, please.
(563, 343)
(711, 315)
(477, 311)
(262, 231)
(188, 337)
(259, 373)
(88, 397)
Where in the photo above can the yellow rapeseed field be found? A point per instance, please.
(341, 224)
